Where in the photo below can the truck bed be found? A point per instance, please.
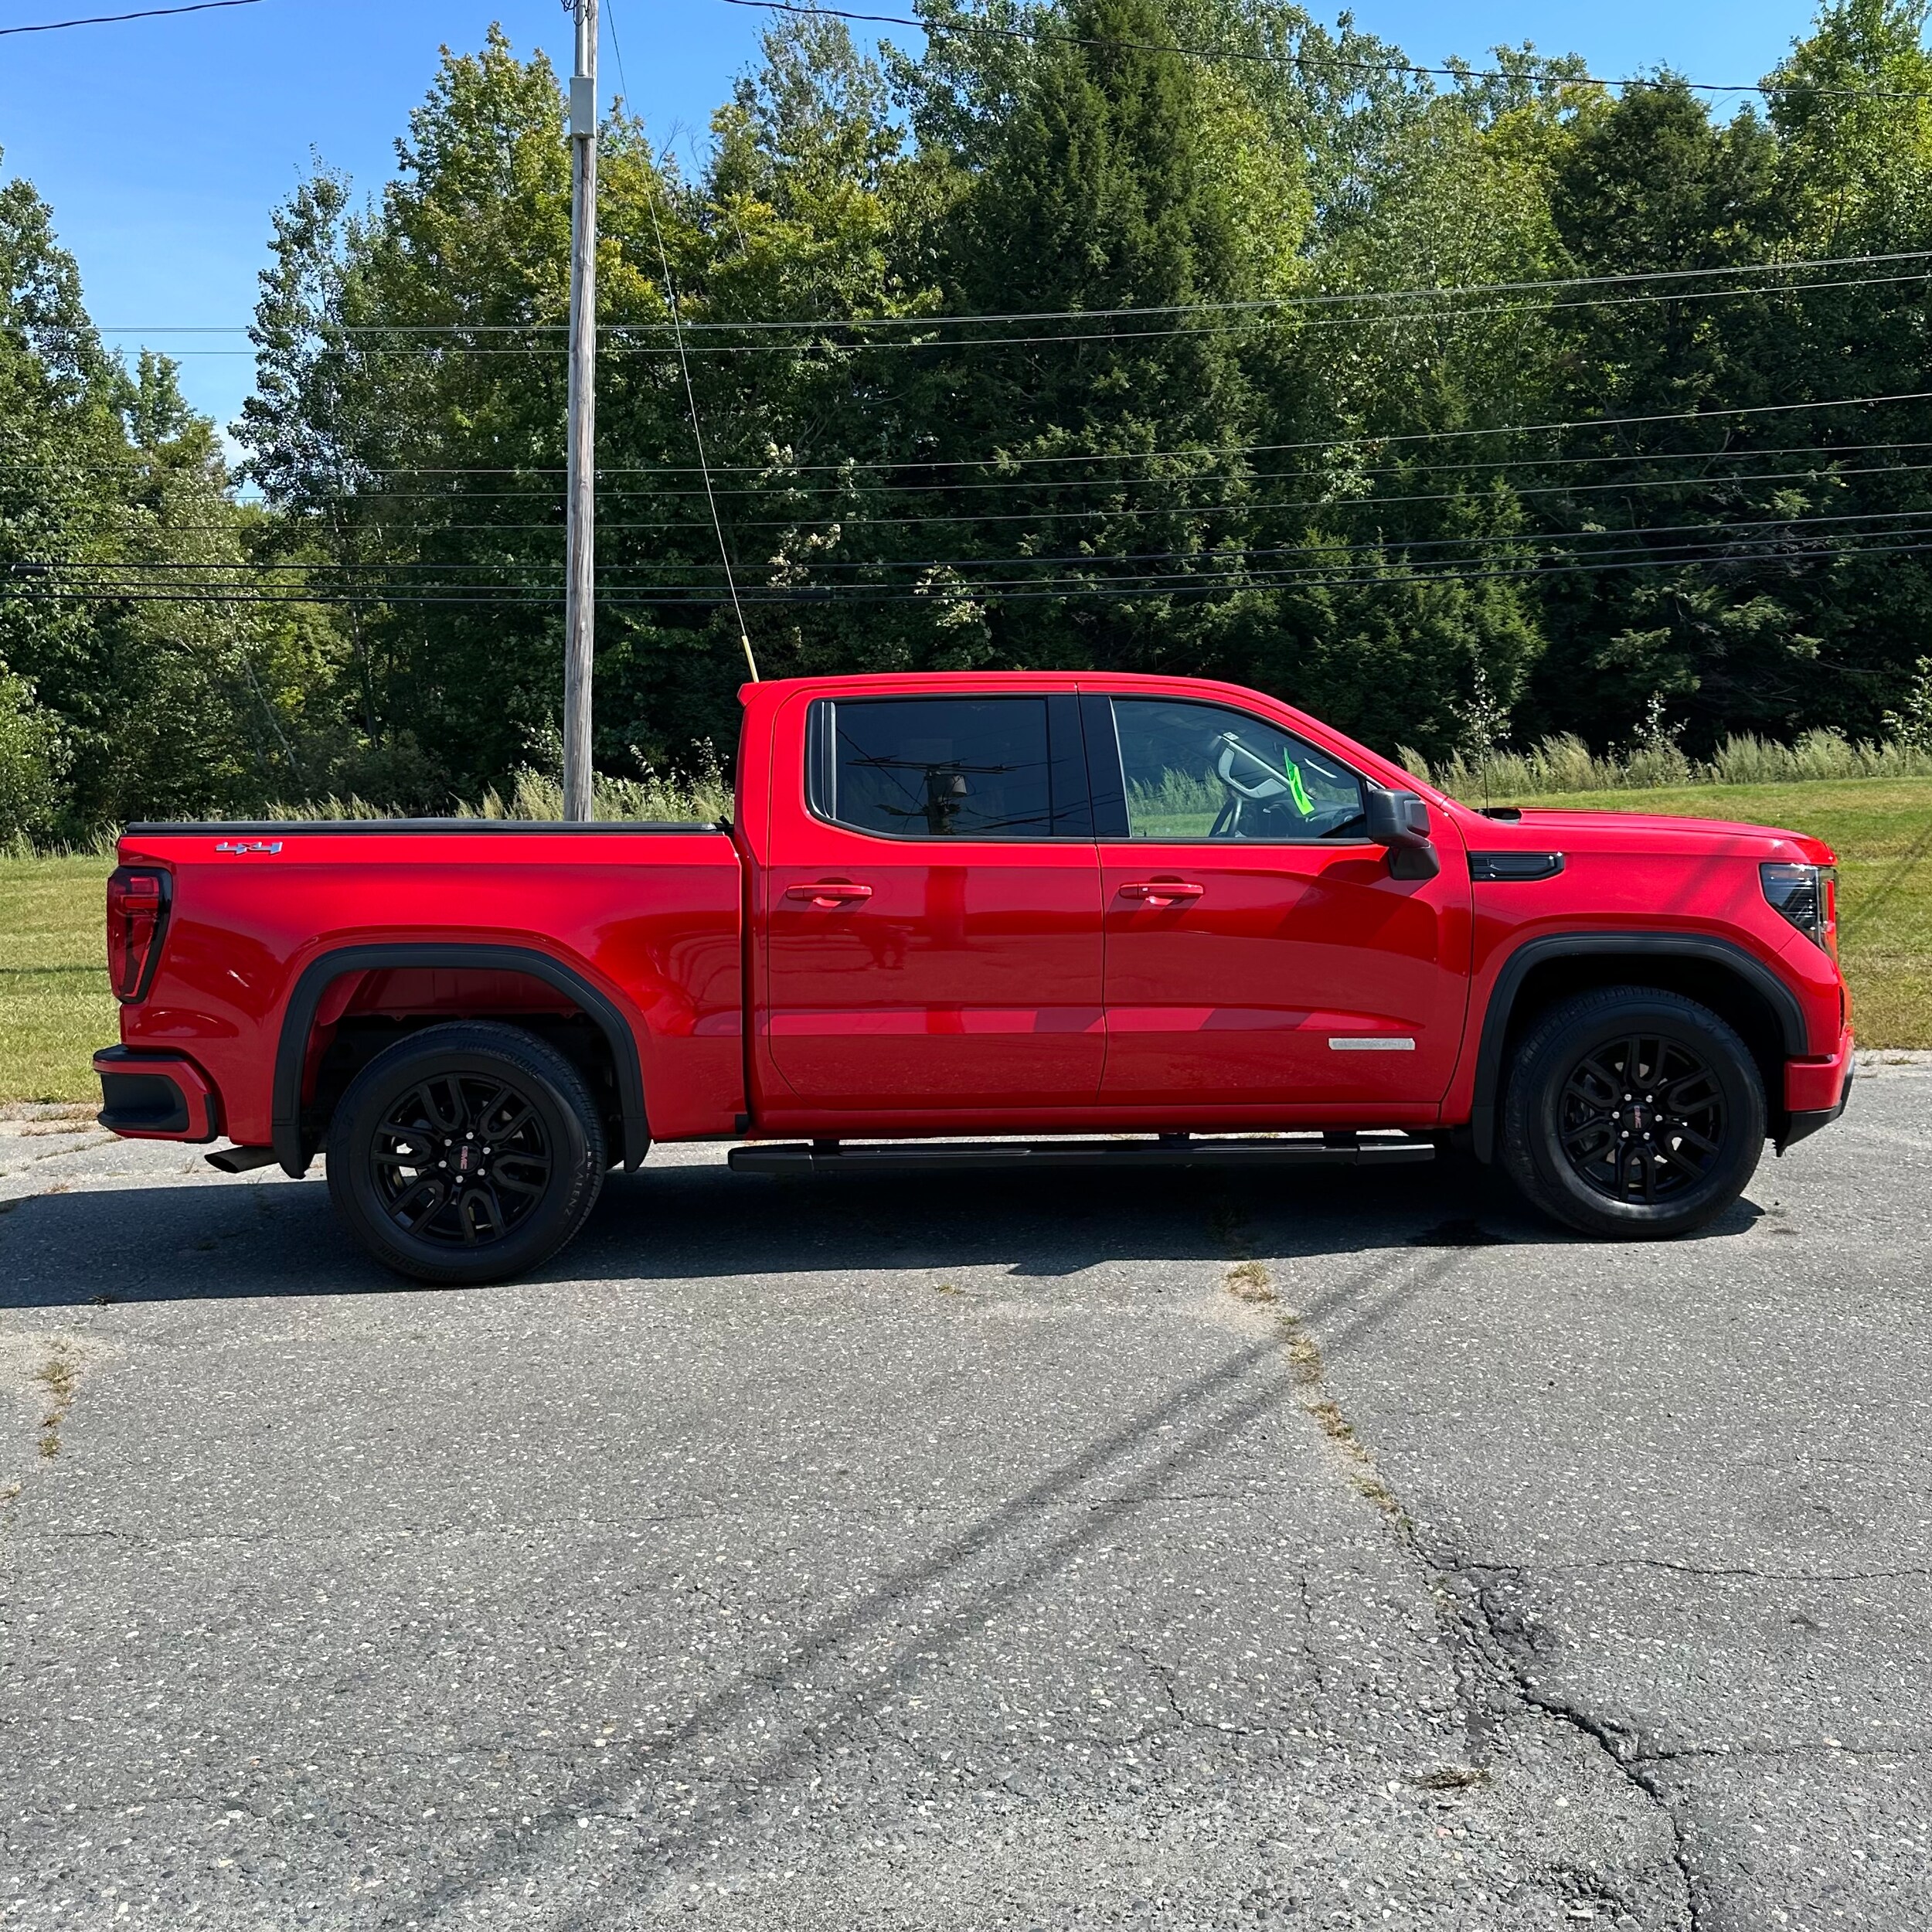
(295, 949)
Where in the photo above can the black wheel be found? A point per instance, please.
(1632, 1112)
(465, 1153)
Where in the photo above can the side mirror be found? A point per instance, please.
(1399, 820)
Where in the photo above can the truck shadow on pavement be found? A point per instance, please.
(214, 1240)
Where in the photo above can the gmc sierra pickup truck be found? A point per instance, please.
(1177, 918)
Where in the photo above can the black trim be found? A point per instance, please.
(1502, 867)
(285, 828)
(1532, 953)
(298, 1022)
(1801, 1125)
(1104, 783)
(1182, 1150)
(137, 1098)
(1503, 814)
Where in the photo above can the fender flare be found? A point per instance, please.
(1705, 947)
(298, 1022)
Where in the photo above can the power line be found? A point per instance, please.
(1300, 300)
(1251, 57)
(1242, 506)
(1359, 439)
(1393, 319)
(707, 597)
(1608, 542)
(113, 20)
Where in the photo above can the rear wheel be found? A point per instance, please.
(465, 1153)
(1632, 1112)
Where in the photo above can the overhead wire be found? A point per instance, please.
(114, 19)
(614, 336)
(710, 596)
(1240, 505)
(1586, 543)
(1358, 440)
(1298, 299)
(1550, 75)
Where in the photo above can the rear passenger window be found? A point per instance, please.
(986, 768)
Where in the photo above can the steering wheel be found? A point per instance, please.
(1260, 781)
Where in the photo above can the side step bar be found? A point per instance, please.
(1169, 1150)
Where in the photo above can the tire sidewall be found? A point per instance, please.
(1535, 1102)
(541, 1076)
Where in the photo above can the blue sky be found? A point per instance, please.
(163, 143)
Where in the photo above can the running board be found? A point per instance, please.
(1170, 1150)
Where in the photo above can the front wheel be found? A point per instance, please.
(1632, 1113)
(465, 1153)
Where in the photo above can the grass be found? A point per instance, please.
(55, 1008)
(1881, 829)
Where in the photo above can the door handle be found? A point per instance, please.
(830, 891)
(1162, 891)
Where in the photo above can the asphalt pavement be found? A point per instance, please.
(1083, 1550)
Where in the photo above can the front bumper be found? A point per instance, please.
(154, 1095)
(1815, 1092)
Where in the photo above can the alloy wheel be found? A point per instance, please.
(1641, 1119)
(460, 1160)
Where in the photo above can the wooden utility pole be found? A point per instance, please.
(580, 614)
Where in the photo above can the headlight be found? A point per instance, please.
(1805, 895)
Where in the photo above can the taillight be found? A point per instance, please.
(136, 919)
(1807, 896)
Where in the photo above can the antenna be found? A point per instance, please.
(697, 433)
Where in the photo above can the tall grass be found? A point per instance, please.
(706, 797)
(1567, 764)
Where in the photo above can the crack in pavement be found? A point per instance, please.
(1481, 1627)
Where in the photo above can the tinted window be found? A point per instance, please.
(1201, 771)
(944, 768)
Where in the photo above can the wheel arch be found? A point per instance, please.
(293, 1146)
(1740, 988)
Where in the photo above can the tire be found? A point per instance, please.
(1632, 1159)
(451, 1094)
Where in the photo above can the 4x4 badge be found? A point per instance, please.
(256, 844)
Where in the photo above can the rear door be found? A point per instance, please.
(933, 930)
(1258, 951)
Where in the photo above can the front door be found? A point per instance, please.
(1258, 950)
(933, 910)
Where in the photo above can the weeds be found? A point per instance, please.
(1249, 1281)
(60, 1375)
(1565, 763)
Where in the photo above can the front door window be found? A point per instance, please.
(1204, 772)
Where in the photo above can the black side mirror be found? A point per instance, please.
(1399, 820)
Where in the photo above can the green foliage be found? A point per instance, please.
(31, 760)
(1245, 454)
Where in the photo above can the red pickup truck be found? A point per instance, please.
(1177, 918)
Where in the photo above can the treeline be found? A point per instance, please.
(1182, 334)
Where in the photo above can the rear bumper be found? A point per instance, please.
(154, 1095)
(1815, 1091)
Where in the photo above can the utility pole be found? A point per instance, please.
(580, 612)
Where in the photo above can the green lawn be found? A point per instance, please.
(55, 1008)
(1881, 829)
